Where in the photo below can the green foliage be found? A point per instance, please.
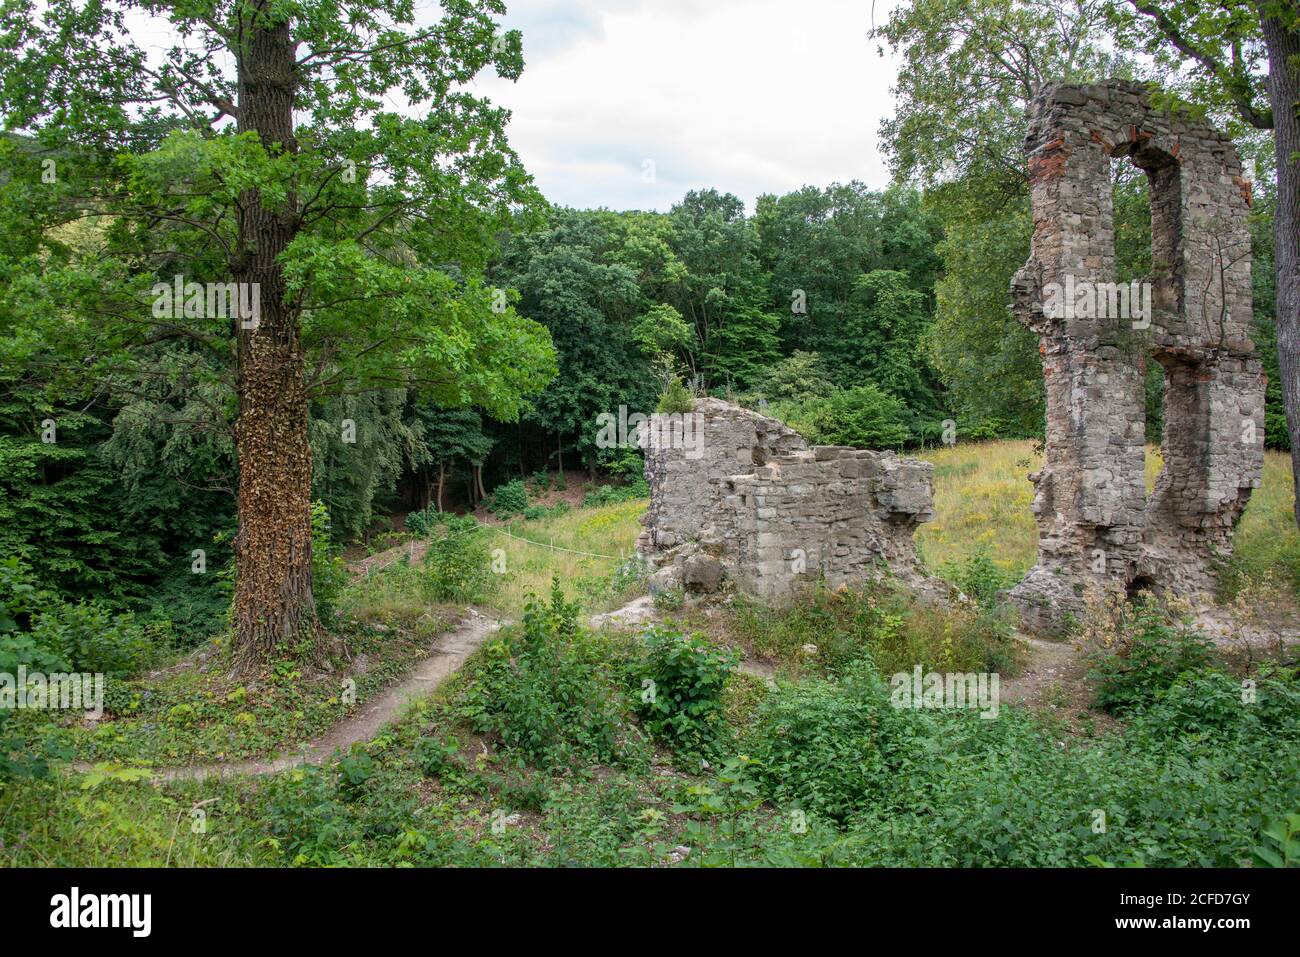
(1279, 842)
(435, 757)
(42, 632)
(425, 523)
(880, 623)
(825, 747)
(61, 507)
(975, 339)
(796, 378)
(979, 578)
(553, 692)
(675, 398)
(681, 689)
(350, 476)
(329, 571)
(509, 499)
(90, 637)
(732, 794)
(864, 416)
(1146, 657)
(458, 563)
(614, 494)
(535, 513)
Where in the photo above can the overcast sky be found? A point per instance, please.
(749, 96)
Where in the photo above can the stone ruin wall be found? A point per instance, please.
(1098, 528)
(760, 507)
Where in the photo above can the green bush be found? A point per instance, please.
(329, 571)
(864, 416)
(1147, 655)
(818, 745)
(553, 692)
(425, 523)
(978, 578)
(535, 512)
(676, 397)
(458, 562)
(509, 499)
(681, 689)
(90, 637)
(616, 494)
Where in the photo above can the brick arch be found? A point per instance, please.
(1097, 527)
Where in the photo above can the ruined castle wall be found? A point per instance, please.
(842, 514)
(1097, 526)
(775, 514)
(684, 468)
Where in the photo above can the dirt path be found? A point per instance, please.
(451, 652)
(1054, 674)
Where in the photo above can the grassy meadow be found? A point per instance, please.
(609, 531)
(982, 498)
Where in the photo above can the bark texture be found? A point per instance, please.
(273, 602)
(1284, 95)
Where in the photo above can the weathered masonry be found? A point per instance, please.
(1097, 525)
(747, 498)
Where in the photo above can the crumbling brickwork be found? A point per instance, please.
(754, 502)
(1097, 525)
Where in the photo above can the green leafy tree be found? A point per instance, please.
(260, 149)
(569, 281)
(450, 436)
(722, 292)
(968, 72)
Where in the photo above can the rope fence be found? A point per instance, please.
(411, 546)
(551, 545)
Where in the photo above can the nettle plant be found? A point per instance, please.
(329, 156)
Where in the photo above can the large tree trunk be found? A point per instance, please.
(1284, 93)
(273, 602)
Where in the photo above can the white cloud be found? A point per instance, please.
(748, 96)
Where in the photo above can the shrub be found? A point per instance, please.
(979, 578)
(681, 694)
(864, 416)
(1142, 653)
(818, 745)
(625, 463)
(509, 499)
(458, 562)
(304, 819)
(435, 757)
(329, 572)
(616, 494)
(553, 692)
(536, 512)
(90, 637)
(426, 522)
(676, 397)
